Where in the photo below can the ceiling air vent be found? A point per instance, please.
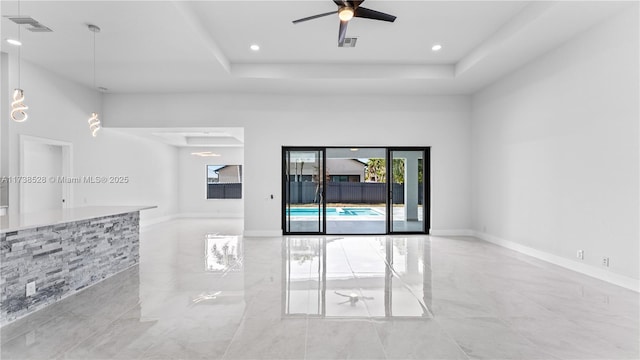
(34, 25)
(349, 42)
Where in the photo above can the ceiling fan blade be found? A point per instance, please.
(355, 3)
(372, 14)
(342, 33)
(314, 17)
(341, 3)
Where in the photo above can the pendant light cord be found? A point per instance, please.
(94, 60)
(19, 47)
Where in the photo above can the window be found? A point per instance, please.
(344, 178)
(224, 181)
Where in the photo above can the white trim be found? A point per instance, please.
(589, 270)
(206, 215)
(145, 224)
(451, 232)
(262, 233)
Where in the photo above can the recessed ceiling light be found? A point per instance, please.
(204, 153)
(14, 42)
(436, 47)
(354, 149)
(255, 47)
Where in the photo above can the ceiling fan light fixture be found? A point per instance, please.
(345, 13)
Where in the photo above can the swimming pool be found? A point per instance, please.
(334, 211)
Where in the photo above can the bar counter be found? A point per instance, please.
(62, 252)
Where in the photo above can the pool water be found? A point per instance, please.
(334, 211)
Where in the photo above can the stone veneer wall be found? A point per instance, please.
(63, 259)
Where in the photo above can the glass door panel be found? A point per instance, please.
(304, 193)
(356, 190)
(407, 210)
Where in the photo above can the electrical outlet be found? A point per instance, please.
(580, 254)
(31, 288)
(30, 338)
(605, 261)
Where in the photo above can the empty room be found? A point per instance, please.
(319, 179)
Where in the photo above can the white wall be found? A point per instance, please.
(555, 152)
(271, 121)
(192, 183)
(58, 110)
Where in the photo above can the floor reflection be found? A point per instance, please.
(196, 295)
(357, 277)
(223, 253)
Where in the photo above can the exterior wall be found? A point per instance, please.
(334, 167)
(230, 174)
(345, 167)
(63, 259)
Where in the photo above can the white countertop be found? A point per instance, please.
(61, 216)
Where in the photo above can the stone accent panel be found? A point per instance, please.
(63, 259)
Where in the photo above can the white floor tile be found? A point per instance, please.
(354, 297)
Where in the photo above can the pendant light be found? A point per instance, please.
(94, 121)
(18, 108)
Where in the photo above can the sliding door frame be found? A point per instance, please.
(426, 184)
(322, 185)
(426, 188)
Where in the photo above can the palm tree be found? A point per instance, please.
(376, 170)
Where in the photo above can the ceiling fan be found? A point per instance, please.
(348, 9)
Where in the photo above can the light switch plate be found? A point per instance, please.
(31, 288)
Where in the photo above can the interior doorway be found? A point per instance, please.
(355, 190)
(44, 166)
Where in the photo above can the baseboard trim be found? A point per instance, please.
(262, 233)
(209, 215)
(589, 270)
(146, 224)
(451, 232)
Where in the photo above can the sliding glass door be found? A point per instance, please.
(355, 191)
(304, 190)
(408, 179)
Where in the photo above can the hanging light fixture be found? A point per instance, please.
(18, 108)
(18, 113)
(94, 121)
(94, 124)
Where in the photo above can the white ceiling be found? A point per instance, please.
(178, 46)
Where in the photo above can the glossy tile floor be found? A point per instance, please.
(200, 295)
